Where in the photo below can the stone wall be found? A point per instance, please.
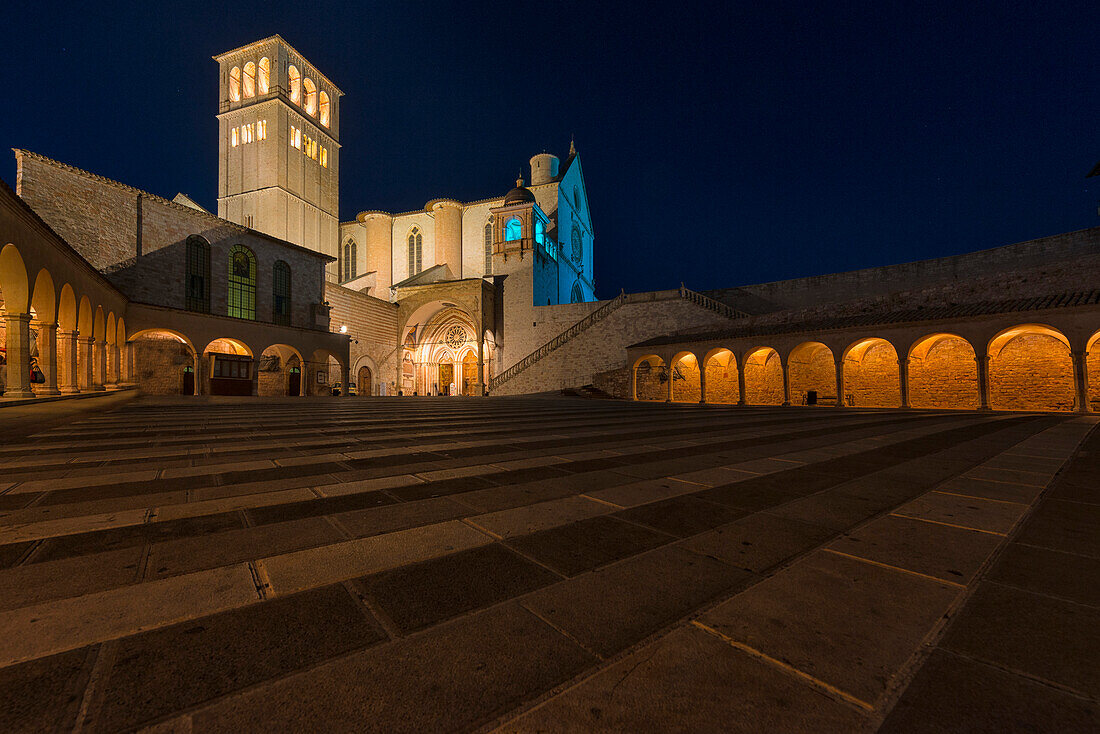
(1032, 372)
(812, 370)
(764, 381)
(685, 383)
(946, 377)
(372, 327)
(158, 364)
(958, 272)
(100, 219)
(603, 346)
(873, 382)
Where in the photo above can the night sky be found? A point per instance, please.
(722, 145)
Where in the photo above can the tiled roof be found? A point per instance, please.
(878, 318)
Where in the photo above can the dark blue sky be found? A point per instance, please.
(723, 145)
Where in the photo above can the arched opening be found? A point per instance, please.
(488, 248)
(365, 381)
(249, 83)
(650, 377)
(943, 373)
(513, 230)
(1030, 368)
(294, 83)
(871, 376)
(264, 76)
(279, 371)
(15, 349)
(198, 275)
(310, 103)
(235, 84)
(763, 377)
(324, 374)
(229, 364)
(415, 251)
(685, 379)
(811, 370)
(323, 108)
(721, 369)
(164, 362)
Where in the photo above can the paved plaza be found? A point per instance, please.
(544, 565)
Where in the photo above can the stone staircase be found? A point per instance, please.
(644, 302)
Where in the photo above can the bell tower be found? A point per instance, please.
(278, 145)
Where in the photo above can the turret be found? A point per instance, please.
(544, 168)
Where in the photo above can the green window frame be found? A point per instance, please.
(242, 283)
(280, 293)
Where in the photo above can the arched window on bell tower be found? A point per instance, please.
(416, 251)
(513, 230)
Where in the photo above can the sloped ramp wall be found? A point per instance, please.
(602, 346)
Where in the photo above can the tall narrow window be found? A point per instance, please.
(280, 293)
(198, 275)
(540, 232)
(310, 103)
(294, 81)
(576, 296)
(513, 230)
(264, 78)
(489, 248)
(578, 244)
(233, 137)
(250, 79)
(324, 108)
(242, 283)
(235, 84)
(416, 251)
(350, 259)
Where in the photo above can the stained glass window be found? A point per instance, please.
(242, 283)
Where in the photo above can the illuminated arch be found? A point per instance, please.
(1030, 368)
(235, 84)
(649, 375)
(263, 80)
(513, 230)
(943, 373)
(310, 101)
(248, 83)
(323, 108)
(415, 250)
(44, 298)
(294, 82)
(763, 370)
(720, 365)
(686, 387)
(811, 369)
(871, 375)
(14, 282)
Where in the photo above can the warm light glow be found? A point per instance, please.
(233, 137)
(235, 84)
(324, 108)
(311, 96)
(250, 79)
(265, 75)
(295, 82)
(344, 329)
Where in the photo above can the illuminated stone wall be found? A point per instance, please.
(722, 386)
(159, 363)
(764, 382)
(812, 369)
(1032, 372)
(947, 377)
(685, 384)
(873, 381)
(650, 381)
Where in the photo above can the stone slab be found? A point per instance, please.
(681, 516)
(967, 512)
(44, 694)
(1047, 638)
(758, 542)
(1073, 527)
(1051, 572)
(690, 681)
(850, 624)
(587, 544)
(307, 569)
(532, 518)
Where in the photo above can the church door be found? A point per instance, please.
(365, 382)
(188, 381)
(446, 377)
(294, 381)
(469, 375)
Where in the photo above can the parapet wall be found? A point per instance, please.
(1045, 252)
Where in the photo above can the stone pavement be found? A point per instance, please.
(544, 564)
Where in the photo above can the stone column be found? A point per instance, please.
(68, 376)
(479, 387)
(18, 326)
(99, 365)
(786, 368)
(47, 358)
(130, 369)
(1081, 381)
(198, 374)
(839, 382)
(85, 358)
(702, 385)
(668, 387)
(741, 383)
(112, 374)
(903, 381)
(983, 381)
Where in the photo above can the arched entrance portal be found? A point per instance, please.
(721, 372)
(229, 364)
(279, 372)
(365, 381)
(164, 363)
